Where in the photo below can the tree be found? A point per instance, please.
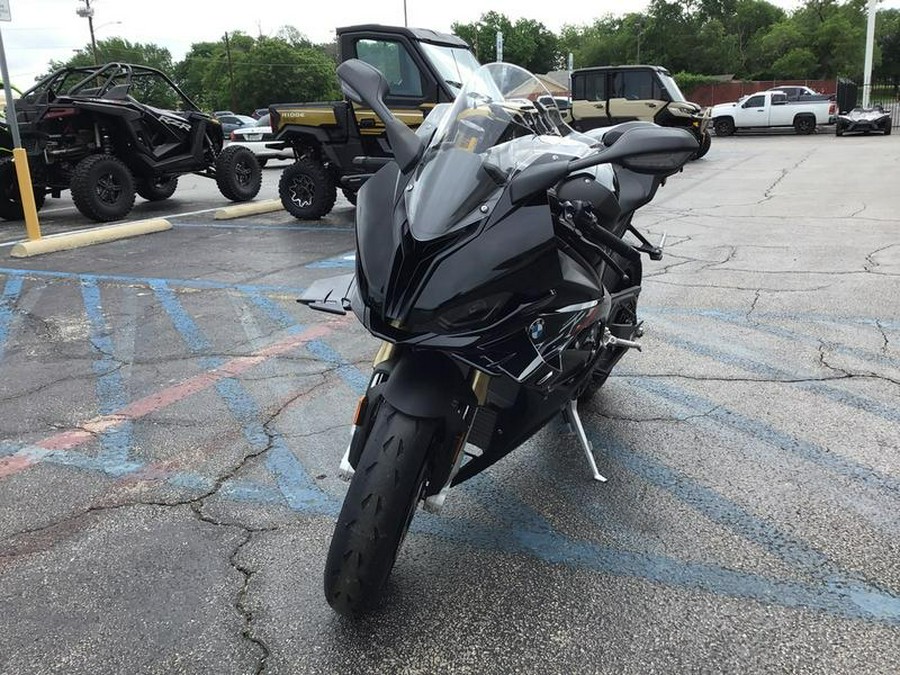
(526, 42)
(248, 73)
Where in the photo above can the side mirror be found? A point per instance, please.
(364, 84)
(647, 149)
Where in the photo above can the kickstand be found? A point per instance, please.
(570, 414)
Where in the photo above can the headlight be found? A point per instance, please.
(475, 312)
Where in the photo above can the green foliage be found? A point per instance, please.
(690, 81)
(526, 42)
(751, 39)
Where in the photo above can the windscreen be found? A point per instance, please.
(502, 118)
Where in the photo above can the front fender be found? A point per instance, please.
(428, 384)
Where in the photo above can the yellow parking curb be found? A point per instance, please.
(249, 209)
(96, 235)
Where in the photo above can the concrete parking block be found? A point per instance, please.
(96, 235)
(249, 209)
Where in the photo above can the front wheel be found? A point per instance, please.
(378, 509)
(238, 174)
(307, 189)
(102, 188)
(724, 126)
(705, 143)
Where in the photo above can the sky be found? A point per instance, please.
(42, 30)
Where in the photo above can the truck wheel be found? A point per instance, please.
(705, 144)
(10, 199)
(102, 188)
(307, 190)
(238, 174)
(378, 509)
(724, 126)
(804, 124)
(156, 189)
(350, 195)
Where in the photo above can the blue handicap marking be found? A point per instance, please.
(342, 261)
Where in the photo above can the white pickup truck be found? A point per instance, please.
(772, 109)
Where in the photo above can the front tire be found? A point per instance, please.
(378, 509)
(307, 190)
(724, 126)
(102, 188)
(238, 174)
(705, 144)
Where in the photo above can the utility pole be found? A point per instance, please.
(230, 72)
(405, 23)
(88, 12)
(870, 49)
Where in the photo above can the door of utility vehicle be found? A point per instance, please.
(635, 95)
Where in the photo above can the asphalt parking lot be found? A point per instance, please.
(171, 424)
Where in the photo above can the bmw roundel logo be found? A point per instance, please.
(536, 329)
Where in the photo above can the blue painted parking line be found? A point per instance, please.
(345, 260)
(198, 284)
(811, 452)
(291, 477)
(115, 444)
(733, 355)
(740, 319)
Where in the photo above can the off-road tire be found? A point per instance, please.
(705, 144)
(378, 509)
(238, 174)
(724, 126)
(102, 188)
(350, 195)
(804, 124)
(10, 201)
(307, 189)
(157, 189)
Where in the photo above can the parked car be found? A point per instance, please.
(772, 109)
(256, 137)
(259, 112)
(231, 122)
(219, 113)
(801, 93)
(865, 121)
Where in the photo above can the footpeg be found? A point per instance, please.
(610, 340)
(574, 420)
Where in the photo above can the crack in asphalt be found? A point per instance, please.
(625, 418)
(847, 374)
(871, 263)
(196, 505)
(884, 347)
(767, 195)
(753, 308)
(745, 288)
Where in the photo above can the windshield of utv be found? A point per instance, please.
(493, 129)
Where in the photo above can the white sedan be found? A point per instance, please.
(255, 138)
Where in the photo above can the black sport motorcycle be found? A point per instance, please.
(492, 265)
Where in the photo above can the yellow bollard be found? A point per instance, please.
(26, 193)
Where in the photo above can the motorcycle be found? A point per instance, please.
(492, 264)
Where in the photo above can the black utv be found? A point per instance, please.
(93, 130)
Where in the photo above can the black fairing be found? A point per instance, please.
(471, 286)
